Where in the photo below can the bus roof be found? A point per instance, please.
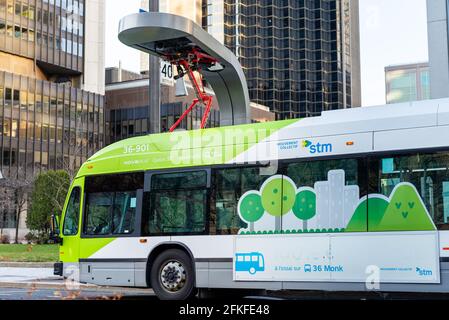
(179, 148)
(271, 140)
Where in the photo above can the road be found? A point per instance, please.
(40, 284)
(132, 294)
(84, 294)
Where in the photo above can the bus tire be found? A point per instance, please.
(172, 276)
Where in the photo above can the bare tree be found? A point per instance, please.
(14, 198)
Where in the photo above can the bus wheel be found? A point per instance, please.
(172, 275)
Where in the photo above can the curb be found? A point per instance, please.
(26, 264)
(61, 285)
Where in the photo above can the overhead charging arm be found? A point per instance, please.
(173, 38)
(187, 65)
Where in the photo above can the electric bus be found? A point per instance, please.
(352, 200)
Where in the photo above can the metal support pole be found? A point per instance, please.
(154, 108)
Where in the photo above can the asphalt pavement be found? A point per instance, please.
(32, 293)
(33, 283)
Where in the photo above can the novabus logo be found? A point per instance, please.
(318, 147)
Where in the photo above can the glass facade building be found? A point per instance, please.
(405, 83)
(50, 31)
(300, 57)
(44, 125)
(47, 120)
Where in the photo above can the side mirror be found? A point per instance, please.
(54, 229)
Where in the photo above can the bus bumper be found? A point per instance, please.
(58, 269)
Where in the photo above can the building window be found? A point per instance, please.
(24, 34)
(10, 6)
(31, 35)
(28, 12)
(17, 31)
(18, 8)
(9, 30)
(16, 98)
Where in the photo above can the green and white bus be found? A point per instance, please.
(353, 200)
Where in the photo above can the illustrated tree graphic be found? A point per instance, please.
(278, 196)
(250, 208)
(305, 205)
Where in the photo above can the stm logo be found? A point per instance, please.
(317, 148)
(423, 272)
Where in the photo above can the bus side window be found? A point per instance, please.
(230, 184)
(177, 204)
(427, 172)
(124, 212)
(111, 204)
(71, 218)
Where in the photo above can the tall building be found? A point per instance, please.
(438, 36)
(407, 82)
(300, 57)
(51, 85)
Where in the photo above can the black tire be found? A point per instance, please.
(170, 265)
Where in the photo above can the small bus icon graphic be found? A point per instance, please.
(307, 268)
(251, 262)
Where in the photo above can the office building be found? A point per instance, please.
(407, 82)
(114, 75)
(51, 85)
(300, 57)
(438, 36)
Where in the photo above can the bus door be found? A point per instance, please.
(110, 228)
(71, 223)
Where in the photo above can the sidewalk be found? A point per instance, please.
(25, 276)
(5, 264)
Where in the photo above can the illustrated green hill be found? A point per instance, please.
(376, 206)
(406, 211)
(403, 212)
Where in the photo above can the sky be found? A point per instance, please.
(391, 32)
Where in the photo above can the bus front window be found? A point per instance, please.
(70, 227)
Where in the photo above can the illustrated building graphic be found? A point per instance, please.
(335, 203)
(332, 210)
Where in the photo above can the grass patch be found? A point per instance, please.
(29, 252)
